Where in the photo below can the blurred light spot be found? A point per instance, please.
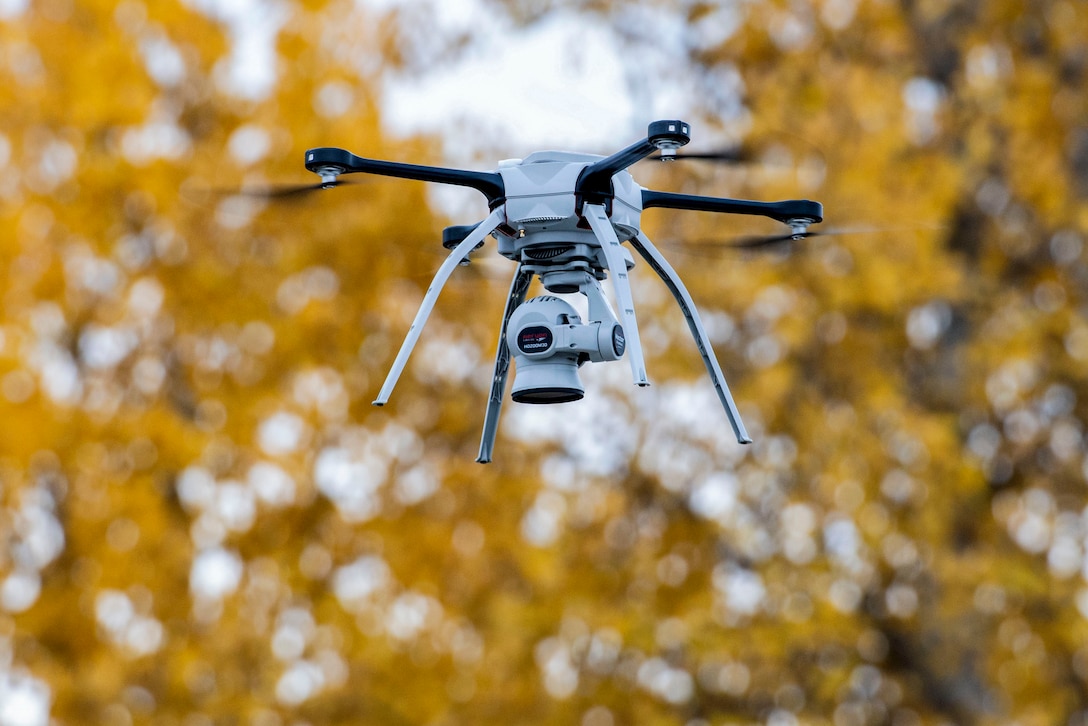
(448, 360)
(927, 323)
(20, 590)
(560, 675)
(313, 283)
(159, 138)
(272, 484)
(257, 337)
(249, 72)
(837, 14)
(604, 651)
(409, 614)
(322, 389)
(196, 488)
(11, 9)
(790, 31)
(732, 678)
(148, 374)
(1076, 342)
(901, 600)
(742, 590)
(720, 326)
(984, 441)
(1049, 296)
(102, 347)
(899, 550)
(145, 297)
(351, 480)
(24, 700)
(842, 541)
(314, 562)
(673, 685)
(985, 65)
(24, 60)
(715, 497)
(294, 629)
(1065, 246)
(162, 59)
(60, 378)
(831, 327)
(248, 144)
(993, 196)
(672, 570)
(764, 351)
(334, 99)
(468, 538)
(598, 716)
(301, 681)
(798, 523)
(416, 484)
(1006, 386)
(17, 386)
(1022, 426)
(922, 97)
(990, 598)
(57, 164)
(845, 595)
(1029, 521)
(215, 573)
(281, 433)
(235, 506)
(123, 534)
(541, 522)
(123, 626)
(356, 583)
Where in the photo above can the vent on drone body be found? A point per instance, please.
(546, 253)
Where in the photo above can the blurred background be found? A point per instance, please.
(205, 522)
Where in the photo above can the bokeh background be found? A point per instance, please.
(205, 522)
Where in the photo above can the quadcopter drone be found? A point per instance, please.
(562, 217)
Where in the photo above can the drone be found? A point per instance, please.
(563, 218)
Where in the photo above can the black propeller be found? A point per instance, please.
(760, 242)
(288, 191)
(732, 155)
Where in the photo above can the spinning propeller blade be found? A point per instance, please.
(758, 242)
(733, 155)
(289, 191)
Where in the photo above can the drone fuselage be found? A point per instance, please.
(541, 194)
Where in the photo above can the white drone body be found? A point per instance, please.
(562, 217)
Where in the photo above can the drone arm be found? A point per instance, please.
(595, 182)
(518, 289)
(786, 211)
(333, 161)
(665, 271)
(596, 179)
(617, 267)
(458, 254)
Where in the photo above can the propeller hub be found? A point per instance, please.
(799, 227)
(328, 174)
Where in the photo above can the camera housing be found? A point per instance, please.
(549, 342)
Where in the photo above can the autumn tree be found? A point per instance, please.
(206, 522)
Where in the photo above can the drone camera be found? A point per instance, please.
(549, 342)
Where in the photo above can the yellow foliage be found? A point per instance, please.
(204, 520)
